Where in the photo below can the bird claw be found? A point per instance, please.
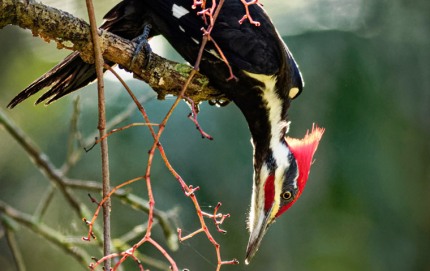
(142, 43)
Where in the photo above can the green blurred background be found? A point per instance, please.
(367, 205)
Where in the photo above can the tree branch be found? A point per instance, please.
(46, 232)
(64, 184)
(164, 76)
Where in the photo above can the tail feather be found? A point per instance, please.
(67, 76)
(126, 19)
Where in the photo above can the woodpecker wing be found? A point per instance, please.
(256, 49)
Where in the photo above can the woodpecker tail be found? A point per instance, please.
(126, 19)
(67, 76)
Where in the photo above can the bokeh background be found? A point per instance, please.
(367, 204)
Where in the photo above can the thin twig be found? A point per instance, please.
(193, 117)
(44, 164)
(137, 203)
(91, 222)
(125, 127)
(73, 153)
(99, 62)
(12, 242)
(44, 202)
(44, 231)
(247, 13)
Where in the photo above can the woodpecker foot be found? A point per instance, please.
(142, 43)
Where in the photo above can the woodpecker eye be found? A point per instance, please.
(287, 195)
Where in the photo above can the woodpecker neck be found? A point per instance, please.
(266, 115)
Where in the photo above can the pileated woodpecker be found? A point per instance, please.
(267, 79)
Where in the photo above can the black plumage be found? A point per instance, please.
(247, 47)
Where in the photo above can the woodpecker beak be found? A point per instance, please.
(264, 220)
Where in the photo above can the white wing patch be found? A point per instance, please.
(196, 41)
(179, 11)
(214, 53)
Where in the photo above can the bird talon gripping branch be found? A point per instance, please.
(142, 43)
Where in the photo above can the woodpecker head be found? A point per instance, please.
(279, 182)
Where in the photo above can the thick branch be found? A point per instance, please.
(164, 76)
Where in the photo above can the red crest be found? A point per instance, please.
(304, 150)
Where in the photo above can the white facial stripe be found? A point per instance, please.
(252, 213)
(179, 11)
(295, 183)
